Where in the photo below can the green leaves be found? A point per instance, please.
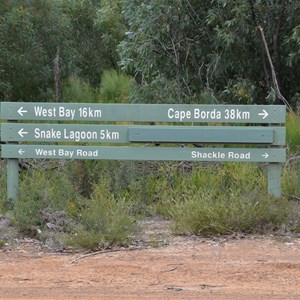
(163, 44)
(175, 49)
(30, 34)
(208, 45)
(86, 33)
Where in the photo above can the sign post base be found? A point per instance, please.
(274, 179)
(12, 179)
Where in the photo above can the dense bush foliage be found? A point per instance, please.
(103, 210)
(174, 50)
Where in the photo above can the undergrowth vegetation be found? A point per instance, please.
(114, 88)
(203, 199)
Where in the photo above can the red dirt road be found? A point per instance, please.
(189, 268)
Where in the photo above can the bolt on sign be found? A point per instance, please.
(251, 133)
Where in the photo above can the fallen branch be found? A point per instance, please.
(274, 77)
(103, 252)
(292, 196)
(290, 159)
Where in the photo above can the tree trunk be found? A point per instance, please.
(57, 73)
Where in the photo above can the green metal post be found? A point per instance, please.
(298, 178)
(274, 179)
(12, 179)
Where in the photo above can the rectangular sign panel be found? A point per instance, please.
(143, 112)
(82, 133)
(73, 133)
(144, 153)
(243, 135)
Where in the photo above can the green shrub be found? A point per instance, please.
(231, 212)
(79, 91)
(178, 186)
(291, 178)
(293, 132)
(160, 90)
(291, 175)
(2, 244)
(216, 199)
(239, 91)
(104, 198)
(115, 87)
(84, 174)
(41, 191)
(4, 204)
(106, 220)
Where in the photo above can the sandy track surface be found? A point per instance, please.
(187, 268)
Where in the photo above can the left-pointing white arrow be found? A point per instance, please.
(21, 151)
(21, 132)
(21, 110)
(266, 155)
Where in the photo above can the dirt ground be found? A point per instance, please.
(163, 267)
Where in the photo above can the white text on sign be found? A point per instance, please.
(214, 114)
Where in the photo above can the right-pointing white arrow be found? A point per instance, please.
(21, 151)
(21, 132)
(266, 155)
(264, 114)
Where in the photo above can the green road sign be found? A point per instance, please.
(18, 132)
(263, 136)
(143, 112)
(144, 153)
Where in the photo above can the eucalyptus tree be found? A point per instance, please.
(216, 46)
(165, 46)
(96, 29)
(31, 32)
(254, 40)
(43, 42)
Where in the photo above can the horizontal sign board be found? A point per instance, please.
(82, 133)
(74, 133)
(143, 112)
(144, 153)
(249, 135)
